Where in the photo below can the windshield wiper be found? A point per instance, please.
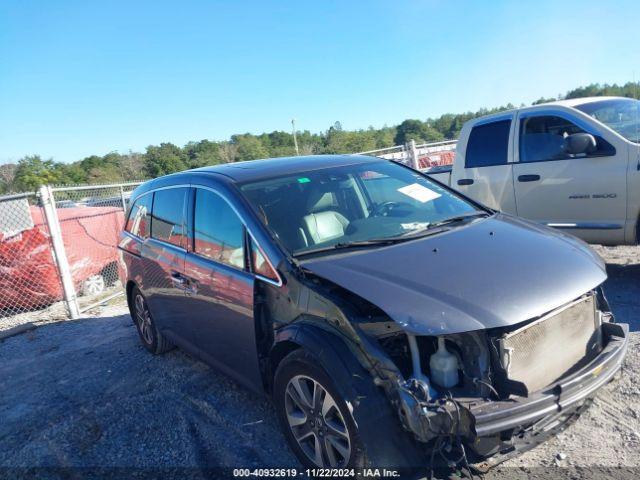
(429, 229)
(459, 218)
(353, 244)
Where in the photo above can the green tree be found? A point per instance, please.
(164, 159)
(72, 173)
(7, 177)
(249, 147)
(32, 172)
(202, 153)
(131, 166)
(416, 130)
(629, 89)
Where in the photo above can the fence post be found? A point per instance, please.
(51, 216)
(122, 199)
(413, 155)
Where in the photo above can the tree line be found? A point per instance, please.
(32, 171)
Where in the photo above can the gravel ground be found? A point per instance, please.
(84, 393)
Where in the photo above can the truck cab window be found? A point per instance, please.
(488, 144)
(542, 138)
(167, 223)
(218, 232)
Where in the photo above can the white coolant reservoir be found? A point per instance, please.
(443, 366)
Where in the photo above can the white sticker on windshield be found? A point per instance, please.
(419, 192)
(414, 225)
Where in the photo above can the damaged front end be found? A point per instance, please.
(502, 391)
(482, 395)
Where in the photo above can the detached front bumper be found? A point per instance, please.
(508, 427)
(495, 417)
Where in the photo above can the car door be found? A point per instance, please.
(584, 194)
(483, 170)
(221, 288)
(162, 258)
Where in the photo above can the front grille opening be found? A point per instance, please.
(541, 352)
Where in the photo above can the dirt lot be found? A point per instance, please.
(86, 394)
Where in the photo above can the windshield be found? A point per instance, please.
(355, 203)
(621, 115)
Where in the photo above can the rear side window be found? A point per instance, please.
(140, 216)
(218, 232)
(488, 144)
(167, 222)
(542, 138)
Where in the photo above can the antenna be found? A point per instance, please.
(295, 139)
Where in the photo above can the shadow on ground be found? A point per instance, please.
(622, 289)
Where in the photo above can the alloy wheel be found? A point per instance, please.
(143, 319)
(316, 423)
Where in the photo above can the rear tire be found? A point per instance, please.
(149, 335)
(314, 418)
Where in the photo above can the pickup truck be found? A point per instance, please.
(571, 164)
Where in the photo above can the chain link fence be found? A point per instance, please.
(58, 250)
(90, 220)
(28, 275)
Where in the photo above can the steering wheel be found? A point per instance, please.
(385, 208)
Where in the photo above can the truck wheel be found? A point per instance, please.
(150, 337)
(315, 419)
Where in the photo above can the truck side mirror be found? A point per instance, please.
(579, 143)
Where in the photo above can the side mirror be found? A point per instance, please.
(579, 143)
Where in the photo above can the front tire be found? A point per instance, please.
(149, 335)
(315, 419)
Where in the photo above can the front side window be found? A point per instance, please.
(167, 223)
(218, 232)
(622, 115)
(140, 216)
(542, 138)
(488, 145)
(328, 208)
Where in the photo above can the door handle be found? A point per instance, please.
(189, 286)
(528, 178)
(465, 181)
(178, 280)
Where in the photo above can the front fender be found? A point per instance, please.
(379, 427)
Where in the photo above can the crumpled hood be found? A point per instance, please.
(489, 273)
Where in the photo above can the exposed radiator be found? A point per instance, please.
(543, 351)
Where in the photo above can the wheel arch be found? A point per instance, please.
(372, 411)
(331, 351)
(128, 289)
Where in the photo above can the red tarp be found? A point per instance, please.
(28, 276)
(436, 159)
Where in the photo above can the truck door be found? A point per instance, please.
(482, 170)
(584, 194)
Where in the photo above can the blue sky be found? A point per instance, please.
(80, 78)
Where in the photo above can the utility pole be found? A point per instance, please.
(295, 139)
